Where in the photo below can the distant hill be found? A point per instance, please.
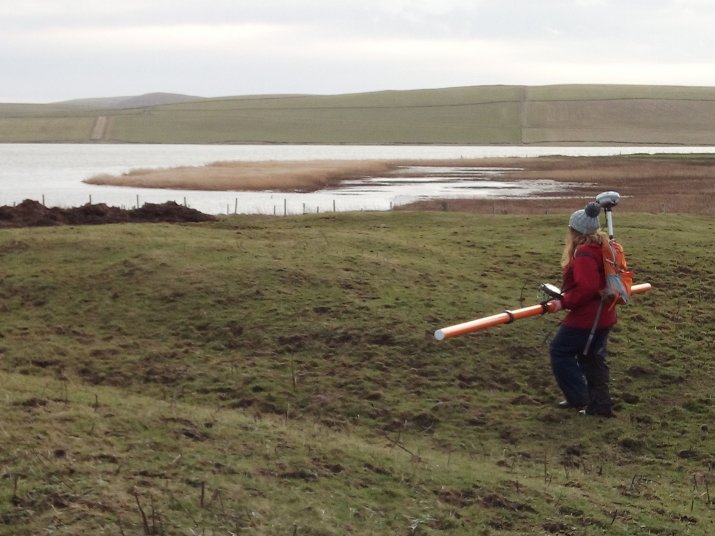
(476, 115)
(139, 101)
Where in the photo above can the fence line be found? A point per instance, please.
(283, 208)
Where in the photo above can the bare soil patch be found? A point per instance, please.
(33, 214)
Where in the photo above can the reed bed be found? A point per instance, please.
(284, 176)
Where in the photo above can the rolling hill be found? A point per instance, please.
(477, 115)
(138, 101)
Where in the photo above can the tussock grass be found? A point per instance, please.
(279, 376)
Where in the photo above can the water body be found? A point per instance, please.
(53, 174)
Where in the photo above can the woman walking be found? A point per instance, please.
(577, 360)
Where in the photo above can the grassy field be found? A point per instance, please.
(513, 115)
(279, 376)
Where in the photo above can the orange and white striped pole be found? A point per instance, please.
(508, 317)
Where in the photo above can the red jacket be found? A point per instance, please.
(583, 280)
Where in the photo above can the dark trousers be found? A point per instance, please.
(583, 379)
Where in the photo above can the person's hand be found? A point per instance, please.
(554, 306)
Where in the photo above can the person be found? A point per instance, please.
(578, 361)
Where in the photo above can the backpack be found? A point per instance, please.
(618, 278)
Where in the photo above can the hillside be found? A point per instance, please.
(139, 101)
(513, 115)
(268, 376)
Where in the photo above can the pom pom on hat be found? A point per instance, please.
(592, 210)
(585, 221)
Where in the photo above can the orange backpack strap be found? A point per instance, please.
(618, 278)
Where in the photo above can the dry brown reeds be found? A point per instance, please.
(285, 176)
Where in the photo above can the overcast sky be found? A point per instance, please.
(52, 50)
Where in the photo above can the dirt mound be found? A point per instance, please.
(33, 214)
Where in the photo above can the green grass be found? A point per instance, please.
(511, 115)
(279, 376)
(60, 129)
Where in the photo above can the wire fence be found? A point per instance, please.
(269, 205)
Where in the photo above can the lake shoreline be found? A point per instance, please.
(682, 180)
(53, 174)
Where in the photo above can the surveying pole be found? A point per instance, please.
(608, 200)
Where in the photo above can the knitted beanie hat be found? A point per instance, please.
(585, 221)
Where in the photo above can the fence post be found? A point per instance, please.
(285, 207)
